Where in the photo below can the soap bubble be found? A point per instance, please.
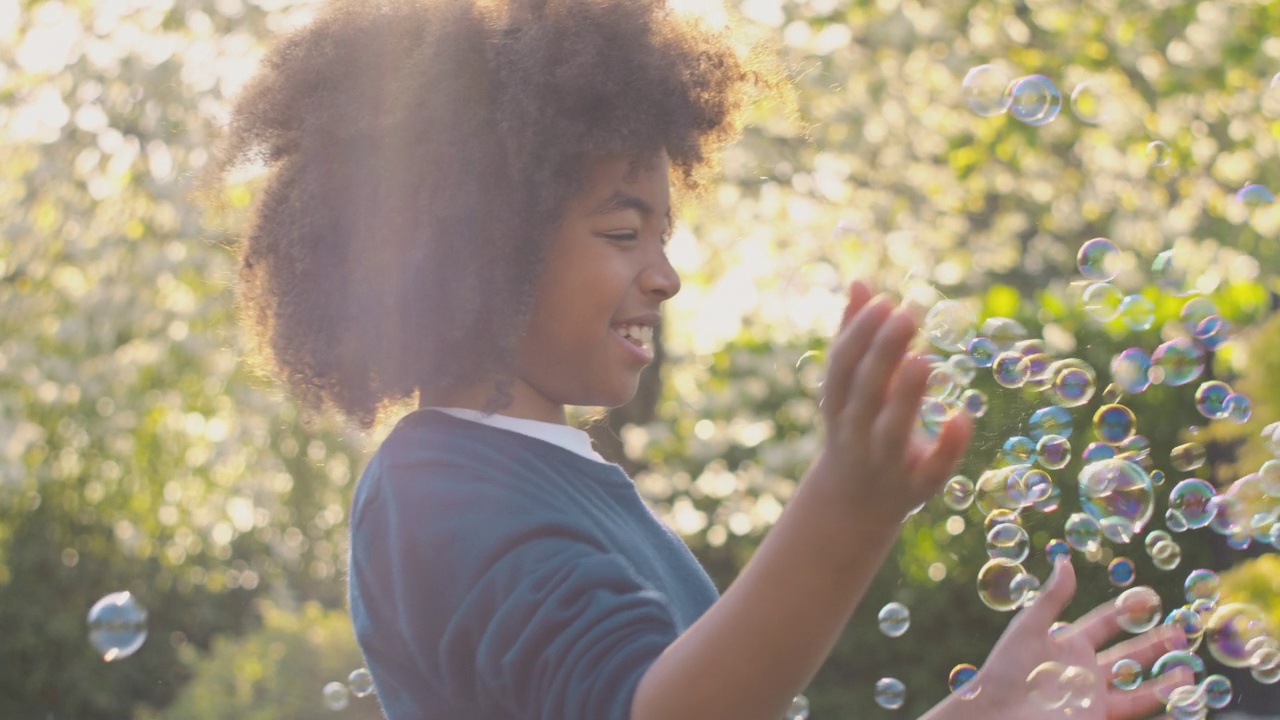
(1175, 521)
(336, 696)
(1111, 395)
(1157, 477)
(1053, 452)
(1195, 311)
(1166, 555)
(1034, 100)
(1051, 420)
(960, 681)
(998, 517)
(983, 351)
(985, 90)
(360, 681)
(1035, 368)
(974, 402)
(1082, 532)
(1098, 260)
(1102, 301)
(1269, 676)
(1158, 153)
(890, 693)
(964, 367)
(1025, 586)
(1051, 502)
(1185, 702)
(1173, 272)
(942, 383)
(799, 709)
(1004, 332)
(1201, 584)
(894, 619)
(1213, 332)
(950, 326)
(1056, 686)
(1238, 408)
(1171, 661)
(1191, 499)
(1155, 537)
(1018, 450)
(1037, 487)
(958, 494)
(1088, 102)
(1096, 451)
(1190, 622)
(1073, 383)
(1217, 689)
(1055, 548)
(1008, 370)
(1137, 312)
(1131, 370)
(1187, 457)
(1211, 399)
(1126, 674)
(1000, 489)
(995, 585)
(1008, 541)
(1254, 195)
(1139, 609)
(1114, 423)
(117, 626)
(1122, 572)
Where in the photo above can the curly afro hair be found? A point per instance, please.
(419, 154)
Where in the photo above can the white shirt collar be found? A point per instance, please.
(569, 438)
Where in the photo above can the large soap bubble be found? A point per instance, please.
(1117, 491)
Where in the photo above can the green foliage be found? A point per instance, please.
(276, 672)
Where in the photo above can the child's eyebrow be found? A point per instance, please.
(620, 200)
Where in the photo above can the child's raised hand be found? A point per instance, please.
(1077, 683)
(871, 401)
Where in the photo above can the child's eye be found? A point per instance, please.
(627, 235)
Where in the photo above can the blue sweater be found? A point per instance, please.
(494, 575)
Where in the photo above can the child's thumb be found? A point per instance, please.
(1054, 596)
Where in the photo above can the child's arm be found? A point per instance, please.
(764, 640)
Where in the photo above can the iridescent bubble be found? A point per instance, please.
(982, 350)
(1131, 370)
(1269, 676)
(1184, 702)
(964, 367)
(1082, 532)
(1051, 502)
(1211, 399)
(1056, 548)
(1114, 423)
(1202, 584)
(1088, 102)
(1175, 521)
(1139, 609)
(960, 681)
(1192, 499)
(890, 693)
(1253, 196)
(1008, 370)
(1157, 477)
(1096, 451)
(799, 709)
(117, 626)
(1025, 586)
(1154, 537)
(1051, 420)
(1035, 368)
(1238, 408)
(974, 402)
(985, 90)
(1122, 572)
(1034, 100)
(1098, 260)
(1158, 153)
(1173, 272)
(958, 494)
(1053, 452)
(1217, 689)
(1102, 301)
(1055, 686)
(1187, 457)
(1166, 555)
(1171, 661)
(1018, 450)
(1008, 541)
(1137, 448)
(1112, 394)
(950, 326)
(999, 516)
(1126, 674)
(1213, 332)
(942, 383)
(1037, 486)
(1190, 622)
(360, 681)
(1195, 311)
(336, 696)
(1004, 332)
(995, 585)
(1137, 312)
(1073, 382)
(894, 619)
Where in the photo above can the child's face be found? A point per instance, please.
(606, 264)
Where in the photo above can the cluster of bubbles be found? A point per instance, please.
(337, 695)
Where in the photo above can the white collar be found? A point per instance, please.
(569, 438)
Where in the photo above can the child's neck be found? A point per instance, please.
(526, 403)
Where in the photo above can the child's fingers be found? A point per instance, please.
(936, 467)
(848, 350)
(1103, 622)
(871, 382)
(859, 296)
(902, 406)
(1144, 699)
(1053, 598)
(1146, 648)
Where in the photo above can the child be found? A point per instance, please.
(469, 202)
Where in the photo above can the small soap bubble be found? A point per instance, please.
(1238, 408)
(1131, 370)
(1098, 260)
(799, 709)
(960, 681)
(1137, 312)
(942, 383)
(894, 619)
(1195, 311)
(1114, 423)
(974, 402)
(1187, 457)
(336, 696)
(1053, 452)
(1056, 548)
(1025, 586)
(1051, 420)
(1088, 102)
(1155, 537)
(1005, 332)
(999, 516)
(1173, 272)
(950, 326)
(1034, 100)
(1192, 500)
(1158, 153)
(360, 681)
(1229, 631)
(964, 367)
(985, 89)
(1082, 532)
(1007, 369)
(1018, 450)
(1126, 674)
(1190, 622)
(1211, 399)
(1073, 383)
(1051, 502)
(1112, 394)
(1139, 609)
(1184, 702)
(117, 626)
(1202, 584)
(1217, 690)
(1175, 521)
(1166, 555)
(1035, 368)
(1122, 572)
(1253, 196)
(983, 351)
(1157, 477)
(995, 585)
(958, 494)
(1171, 662)
(1212, 332)
(1102, 301)
(890, 693)
(1096, 451)
(1008, 541)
